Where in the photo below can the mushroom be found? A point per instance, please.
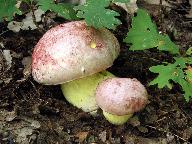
(73, 54)
(119, 98)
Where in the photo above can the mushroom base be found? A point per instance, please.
(81, 92)
(115, 119)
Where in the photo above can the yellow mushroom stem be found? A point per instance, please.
(115, 119)
(81, 92)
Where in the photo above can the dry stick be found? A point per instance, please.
(34, 87)
(3, 32)
(153, 59)
(164, 131)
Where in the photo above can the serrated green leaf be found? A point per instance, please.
(181, 61)
(96, 14)
(8, 9)
(174, 72)
(144, 35)
(187, 88)
(166, 73)
(62, 9)
(165, 44)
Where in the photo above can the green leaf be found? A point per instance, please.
(144, 35)
(187, 88)
(8, 9)
(62, 9)
(189, 74)
(166, 73)
(121, 1)
(189, 51)
(174, 72)
(165, 44)
(96, 14)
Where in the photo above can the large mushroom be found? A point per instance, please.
(119, 98)
(74, 55)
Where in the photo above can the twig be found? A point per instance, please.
(3, 32)
(164, 131)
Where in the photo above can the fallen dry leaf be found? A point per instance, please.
(82, 136)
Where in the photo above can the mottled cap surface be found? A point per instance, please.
(121, 96)
(71, 51)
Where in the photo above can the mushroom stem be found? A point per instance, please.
(119, 98)
(81, 92)
(115, 119)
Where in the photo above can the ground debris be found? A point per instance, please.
(19, 129)
(131, 139)
(34, 113)
(26, 23)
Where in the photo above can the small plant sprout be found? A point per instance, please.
(119, 98)
(74, 55)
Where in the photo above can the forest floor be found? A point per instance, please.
(34, 113)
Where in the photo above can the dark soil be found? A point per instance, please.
(34, 113)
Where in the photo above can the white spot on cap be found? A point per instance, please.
(83, 70)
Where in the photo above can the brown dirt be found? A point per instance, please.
(33, 113)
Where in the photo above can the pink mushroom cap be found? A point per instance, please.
(71, 51)
(121, 96)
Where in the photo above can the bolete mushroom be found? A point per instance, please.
(73, 54)
(119, 98)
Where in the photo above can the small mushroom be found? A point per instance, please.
(69, 54)
(119, 98)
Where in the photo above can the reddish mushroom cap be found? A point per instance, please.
(121, 96)
(72, 51)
